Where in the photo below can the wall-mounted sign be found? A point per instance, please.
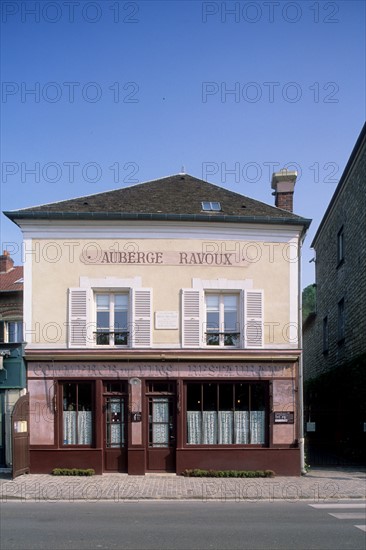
(167, 320)
(97, 256)
(310, 426)
(284, 417)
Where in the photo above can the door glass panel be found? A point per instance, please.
(115, 422)
(161, 422)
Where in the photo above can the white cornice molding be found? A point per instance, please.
(45, 229)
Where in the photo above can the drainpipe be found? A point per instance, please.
(301, 372)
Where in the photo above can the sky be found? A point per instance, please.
(99, 95)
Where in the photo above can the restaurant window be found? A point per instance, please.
(77, 413)
(112, 319)
(226, 414)
(222, 325)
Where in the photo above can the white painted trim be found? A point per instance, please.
(142, 229)
(110, 282)
(221, 284)
(27, 289)
(294, 295)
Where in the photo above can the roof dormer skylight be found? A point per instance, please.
(208, 206)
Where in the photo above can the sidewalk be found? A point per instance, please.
(319, 485)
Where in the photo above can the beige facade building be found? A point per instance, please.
(162, 329)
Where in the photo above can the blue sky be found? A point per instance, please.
(101, 95)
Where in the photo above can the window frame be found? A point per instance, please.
(5, 331)
(341, 321)
(208, 206)
(111, 311)
(233, 384)
(221, 332)
(340, 246)
(325, 334)
(76, 383)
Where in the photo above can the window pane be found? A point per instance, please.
(120, 320)
(226, 397)
(230, 302)
(115, 422)
(120, 301)
(193, 397)
(209, 397)
(213, 321)
(102, 301)
(257, 397)
(103, 319)
(212, 302)
(77, 414)
(241, 397)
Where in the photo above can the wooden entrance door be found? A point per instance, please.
(161, 407)
(115, 428)
(20, 436)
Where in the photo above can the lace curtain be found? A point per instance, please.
(225, 427)
(116, 431)
(83, 434)
(160, 425)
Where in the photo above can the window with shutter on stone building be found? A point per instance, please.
(222, 318)
(119, 318)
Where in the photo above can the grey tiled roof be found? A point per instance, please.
(174, 197)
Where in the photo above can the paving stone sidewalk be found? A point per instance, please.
(319, 485)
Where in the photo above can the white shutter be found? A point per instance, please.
(141, 317)
(253, 319)
(79, 299)
(191, 318)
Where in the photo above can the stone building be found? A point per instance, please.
(162, 329)
(335, 334)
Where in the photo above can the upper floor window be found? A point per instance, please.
(222, 318)
(341, 321)
(112, 319)
(222, 326)
(325, 335)
(104, 318)
(340, 246)
(11, 331)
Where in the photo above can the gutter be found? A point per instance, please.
(47, 215)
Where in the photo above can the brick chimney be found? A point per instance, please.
(283, 183)
(6, 262)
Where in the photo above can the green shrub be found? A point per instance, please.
(73, 472)
(197, 472)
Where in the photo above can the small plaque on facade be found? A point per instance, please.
(136, 417)
(310, 426)
(167, 320)
(283, 417)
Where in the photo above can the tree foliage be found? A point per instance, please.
(308, 301)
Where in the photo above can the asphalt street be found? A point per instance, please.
(181, 525)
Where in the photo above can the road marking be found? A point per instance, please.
(344, 515)
(348, 516)
(334, 506)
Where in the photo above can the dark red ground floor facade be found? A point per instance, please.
(137, 417)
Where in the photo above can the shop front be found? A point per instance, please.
(140, 417)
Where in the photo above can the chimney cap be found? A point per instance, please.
(283, 175)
